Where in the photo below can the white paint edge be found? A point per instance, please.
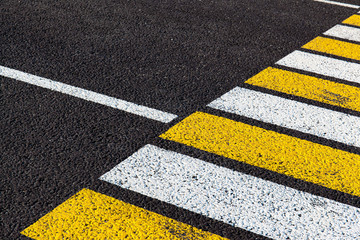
(344, 32)
(306, 118)
(326, 66)
(88, 95)
(338, 3)
(241, 200)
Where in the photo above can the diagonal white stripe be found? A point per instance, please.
(322, 65)
(88, 95)
(241, 200)
(288, 113)
(344, 32)
(338, 3)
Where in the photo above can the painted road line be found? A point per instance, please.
(338, 3)
(91, 215)
(305, 86)
(322, 65)
(88, 95)
(303, 117)
(344, 32)
(241, 200)
(334, 47)
(298, 158)
(353, 20)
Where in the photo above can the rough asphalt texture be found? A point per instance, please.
(175, 56)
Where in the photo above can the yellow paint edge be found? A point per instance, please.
(309, 87)
(301, 159)
(353, 20)
(91, 215)
(334, 47)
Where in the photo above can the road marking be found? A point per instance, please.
(344, 32)
(338, 3)
(298, 158)
(301, 85)
(334, 47)
(241, 200)
(291, 114)
(353, 20)
(322, 65)
(88, 95)
(91, 215)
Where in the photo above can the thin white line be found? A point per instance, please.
(288, 113)
(88, 95)
(338, 3)
(241, 200)
(344, 32)
(322, 65)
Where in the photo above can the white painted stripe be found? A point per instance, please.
(344, 32)
(288, 113)
(241, 200)
(338, 3)
(88, 95)
(322, 65)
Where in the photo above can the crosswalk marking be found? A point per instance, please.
(344, 32)
(322, 65)
(91, 215)
(353, 20)
(313, 88)
(298, 158)
(244, 201)
(303, 117)
(87, 95)
(334, 47)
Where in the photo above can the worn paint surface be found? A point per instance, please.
(353, 20)
(313, 88)
(334, 47)
(319, 164)
(91, 215)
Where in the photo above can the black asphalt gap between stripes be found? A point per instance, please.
(175, 56)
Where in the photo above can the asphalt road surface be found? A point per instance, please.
(176, 57)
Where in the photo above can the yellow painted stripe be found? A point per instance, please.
(305, 160)
(301, 85)
(91, 215)
(353, 20)
(334, 47)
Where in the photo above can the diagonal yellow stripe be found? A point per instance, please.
(353, 20)
(301, 85)
(334, 47)
(305, 160)
(91, 215)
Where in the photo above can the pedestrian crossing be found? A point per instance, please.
(326, 71)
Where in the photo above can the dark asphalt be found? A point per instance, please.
(174, 56)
